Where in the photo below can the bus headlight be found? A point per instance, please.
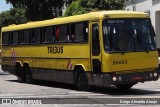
(151, 75)
(155, 74)
(119, 78)
(114, 79)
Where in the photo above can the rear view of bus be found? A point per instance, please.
(129, 50)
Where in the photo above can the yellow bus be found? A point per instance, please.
(102, 48)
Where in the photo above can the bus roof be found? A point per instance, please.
(77, 18)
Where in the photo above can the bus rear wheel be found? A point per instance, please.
(124, 86)
(81, 80)
(28, 74)
(20, 73)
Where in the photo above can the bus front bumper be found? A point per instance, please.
(130, 78)
(105, 79)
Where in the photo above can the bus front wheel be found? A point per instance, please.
(81, 80)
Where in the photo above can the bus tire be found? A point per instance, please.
(20, 73)
(124, 86)
(81, 80)
(28, 74)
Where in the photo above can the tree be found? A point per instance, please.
(12, 16)
(75, 8)
(39, 9)
(84, 6)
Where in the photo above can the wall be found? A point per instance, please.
(139, 5)
(155, 2)
(155, 16)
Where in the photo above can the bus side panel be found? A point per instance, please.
(7, 60)
(54, 65)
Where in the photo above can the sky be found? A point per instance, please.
(4, 6)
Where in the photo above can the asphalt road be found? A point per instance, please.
(65, 95)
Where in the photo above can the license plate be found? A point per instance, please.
(137, 78)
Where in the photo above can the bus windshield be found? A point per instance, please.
(128, 35)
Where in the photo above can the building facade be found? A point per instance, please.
(152, 7)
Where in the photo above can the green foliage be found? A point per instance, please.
(84, 6)
(75, 8)
(13, 16)
(39, 9)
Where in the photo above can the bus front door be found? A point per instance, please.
(96, 54)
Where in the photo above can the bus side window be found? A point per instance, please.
(63, 33)
(54, 34)
(5, 38)
(49, 37)
(15, 37)
(81, 32)
(36, 34)
(68, 33)
(85, 32)
(21, 35)
(57, 34)
(25, 37)
(72, 35)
